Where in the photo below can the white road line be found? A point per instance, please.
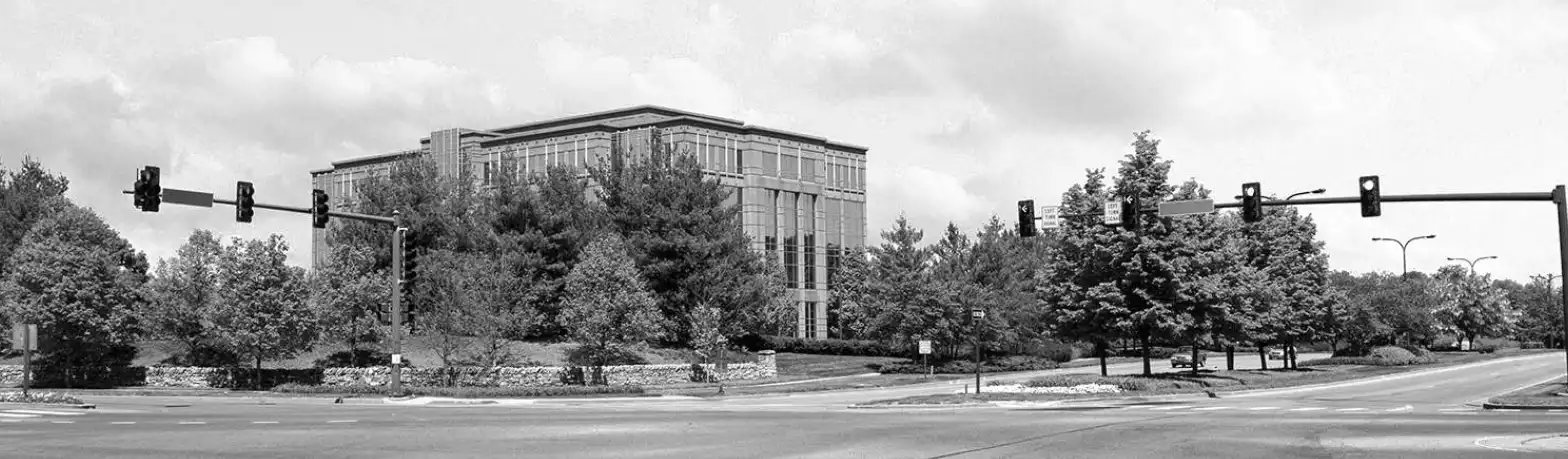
(1556, 411)
(1402, 408)
(1137, 406)
(1212, 408)
(1508, 410)
(123, 422)
(63, 422)
(1478, 441)
(1163, 408)
(1261, 408)
(264, 422)
(54, 413)
(10, 420)
(14, 415)
(191, 422)
(1351, 409)
(341, 421)
(1310, 408)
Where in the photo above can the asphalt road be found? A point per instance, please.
(1423, 414)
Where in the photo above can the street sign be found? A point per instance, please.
(397, 359)
(925, 346)
(978, 313)
(24, 336)
(1050, 216)
(189, 198)
(1113, 212)
(1196, 206)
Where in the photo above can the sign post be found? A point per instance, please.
(925, 350)
(26, 336)
(978, 315)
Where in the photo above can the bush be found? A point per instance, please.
(1417, 351)
(463, 392)
(1057, 351)
(822, 346)
(1392, 354)
(588, 356)
(1486, 348)
(365, 357)
(1382, 356)
(1532, 345)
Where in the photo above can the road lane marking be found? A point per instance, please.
(1310, 408)
(54, 413)
(264, 422)
(1402, 408)
(188, 423)
(63, 422)
(341, 421)
(1164, 408)
(1261, 408)
(10, 420)
(15, 415)
(1478, 441)
(1556, 411)
(1212, 408)
(1509, 410)
(123, 422)
(1351, 409)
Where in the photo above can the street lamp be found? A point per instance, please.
(1478, 260)
(1404, 262)
(1317, 191)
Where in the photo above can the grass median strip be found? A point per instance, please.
(1539, 396)
(1215, 381)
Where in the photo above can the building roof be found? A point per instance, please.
(592, 118)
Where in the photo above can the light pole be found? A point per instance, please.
(1404, 259)
(1478, 260)
(1317, 191)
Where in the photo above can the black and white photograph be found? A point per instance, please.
(783, 229)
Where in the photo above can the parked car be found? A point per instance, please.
(1183, 358)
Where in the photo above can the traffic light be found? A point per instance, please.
(148, 193)
(1371, 197)
(244, 202)
(1130, 213)
(1251, 202)
(1026, 218)
(410, 264)
(318, 211)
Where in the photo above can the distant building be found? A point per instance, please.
(802, 197)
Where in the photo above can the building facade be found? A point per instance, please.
(802, 197)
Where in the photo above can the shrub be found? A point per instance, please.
(1392, 353)
(1486, 348)
(1417, 351)
(1532, 345)
(823, 346)
(1057, 351)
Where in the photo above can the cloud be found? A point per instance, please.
(585, 79)
(230, 110)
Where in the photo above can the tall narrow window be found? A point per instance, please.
(738, 161)
(811, 320)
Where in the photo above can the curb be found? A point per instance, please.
(923, 406)
(420, 401)
(1495, 406)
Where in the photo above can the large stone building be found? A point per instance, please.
(802, 197)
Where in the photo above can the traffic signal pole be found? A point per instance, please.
(397, 310)
(298, 210)
(1560, 197)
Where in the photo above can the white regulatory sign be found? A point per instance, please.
(397, 359)
(1050, 216)
(1113, 212)
(925, 346)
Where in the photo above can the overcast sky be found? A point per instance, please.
(966, 106)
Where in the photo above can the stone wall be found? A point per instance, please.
(622, 375)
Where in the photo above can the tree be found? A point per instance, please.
(1284, 249)
(680, 226)
(182, 292)
(481, 300)
(261, 312)
(81, 283)
(1078, 284)
(350, 297)
(1470, 305)
(26, 197)
(546, 221)
(608, 306)
(1541, 312)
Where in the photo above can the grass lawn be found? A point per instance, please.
(1184, 382)
(1537, 395)
(806, 366)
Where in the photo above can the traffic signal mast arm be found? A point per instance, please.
(1441, 197)
(302, 210)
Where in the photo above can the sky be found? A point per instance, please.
(966, 106)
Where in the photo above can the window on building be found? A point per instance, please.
(770, 224)
(789, 166)
(739, 155)
(791, 229)
(811, 319)
(808, 247)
